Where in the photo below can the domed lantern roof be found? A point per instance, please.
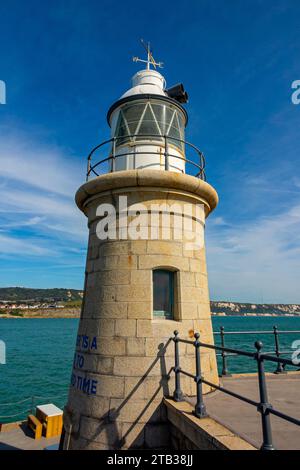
(149, 82)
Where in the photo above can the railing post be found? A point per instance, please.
(62, 438)
(223, 353)
(202, 165)
(264, 405)
(88, 170)
(200, 410)
(166, 154)
(178, 395)
(113, 164)
(32, 405)
(279, 368)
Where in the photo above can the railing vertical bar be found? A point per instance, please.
(202, 166)
(279, 368)
(264, 404)
(166, 154)
(200, 410)
(178, 396)
(224, 354)
(32, 404)
(88, 170)
(113, 163)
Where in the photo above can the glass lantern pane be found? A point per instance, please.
(177, 132)
(133, 115)
(150, 119)
(169, 115)
(121, 130)
(160, 115)
(148, 126)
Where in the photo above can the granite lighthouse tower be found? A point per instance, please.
(146, 201)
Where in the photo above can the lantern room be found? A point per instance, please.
(148, 128)
(144, 122)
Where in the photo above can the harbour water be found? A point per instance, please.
(39, 355)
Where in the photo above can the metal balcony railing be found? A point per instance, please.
(198, 166)
(263, 406)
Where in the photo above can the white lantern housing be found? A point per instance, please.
(147, 124)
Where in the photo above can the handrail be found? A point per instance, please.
(224, 354)
(163, 139)
(265, 332)
(263, 406)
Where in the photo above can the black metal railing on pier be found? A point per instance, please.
(280, 368)
(165, 142)
(263, 406)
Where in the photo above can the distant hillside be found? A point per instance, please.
(21, 294)
(237, 308)
(74, 296)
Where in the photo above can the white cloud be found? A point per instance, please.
(37, 188)
(258, 260)
(37, 165)
(22, 223)
(217, 221)
(16, 246)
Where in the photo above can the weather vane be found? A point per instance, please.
(150, 59)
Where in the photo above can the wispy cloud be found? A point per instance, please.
(257, 260)
(38, 212)
(38, 165)
(14, 246)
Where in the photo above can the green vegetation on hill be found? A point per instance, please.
(19, 294)
(73, 304)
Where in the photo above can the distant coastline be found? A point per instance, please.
(44, 313)
(21, 302)
(75, 313)
(224, 308)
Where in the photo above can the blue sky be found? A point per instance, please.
(66, 62)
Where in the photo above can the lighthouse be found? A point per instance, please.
(146, 200)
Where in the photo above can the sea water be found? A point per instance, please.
(39, 356)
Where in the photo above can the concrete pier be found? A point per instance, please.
(17, 436)
(244, 420)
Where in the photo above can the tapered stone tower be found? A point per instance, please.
(145, 275)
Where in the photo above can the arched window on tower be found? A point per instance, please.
(163, 293)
